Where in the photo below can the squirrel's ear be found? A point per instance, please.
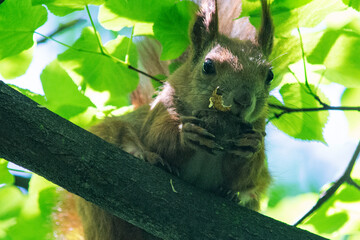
(205, 28)
(266, 33)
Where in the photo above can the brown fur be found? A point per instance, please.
(177, 128)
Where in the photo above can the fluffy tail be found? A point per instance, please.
(67, 223)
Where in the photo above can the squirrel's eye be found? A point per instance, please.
(269, 77)
(208, 67)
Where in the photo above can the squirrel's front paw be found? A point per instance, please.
(196, 136)
(247, 144)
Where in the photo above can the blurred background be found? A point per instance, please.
(300, 169)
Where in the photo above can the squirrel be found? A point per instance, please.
(207, 125)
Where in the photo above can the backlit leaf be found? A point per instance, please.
(64, 7)
(34, 220)
(11, 201)
(302, 125)
(16, 65)
(5, 175)
(338, 214)
(18, 21)
(171, 28)
(116, 14)
(97, 72)
(62, 94)
(351, 97)
(288, 15)
(353, 3)
(338, 48)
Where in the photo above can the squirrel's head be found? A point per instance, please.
(238, 69)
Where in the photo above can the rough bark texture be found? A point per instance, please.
(39, 140)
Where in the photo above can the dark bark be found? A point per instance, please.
(39, 140)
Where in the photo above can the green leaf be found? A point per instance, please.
(143, 29)
(301, 125)
(287, 48)
(5, 176)
(351, 97)
(160, 83)
(11, 202)
(34, 221)
(62, 94)
(349, 193)
(342, 63)
(324, 223)
(116, 14)
(279, 10)
(286, 51)
(171, 28)
(290, 208)
(338, 48)
(16, 65)
(18, 21)
(98, 72)
(64, 7)
(288, 15)
(353, 3)
(338, 214)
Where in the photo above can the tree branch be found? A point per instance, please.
(346, 177)
(41, 141)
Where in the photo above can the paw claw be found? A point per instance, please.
(196, 136)
(247, 144)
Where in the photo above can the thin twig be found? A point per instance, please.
(353, 183)
(103, 54)
(61, 28)
(66, 45)
(286, 110)
(330, 192)
(145, 74)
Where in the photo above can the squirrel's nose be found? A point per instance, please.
(244, 100)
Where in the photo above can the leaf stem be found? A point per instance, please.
(66, 45)
(303, 59)
(95, 31)
(305, 72)
(128, 47)
(102, 54)
(330, 192)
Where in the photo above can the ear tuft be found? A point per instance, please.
(211, 19)
(205, 28)
(266, 33)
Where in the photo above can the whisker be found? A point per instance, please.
(281, 55)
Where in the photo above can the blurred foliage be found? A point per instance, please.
(350, 96)
(91, 80)
(26, 216)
